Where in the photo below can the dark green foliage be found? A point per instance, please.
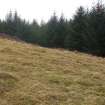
(97, 26)
(85, 32)
(52, 31)
(62, 31)
(75, 38)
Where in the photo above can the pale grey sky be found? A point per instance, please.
(42, 9)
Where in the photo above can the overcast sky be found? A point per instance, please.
(42, 9)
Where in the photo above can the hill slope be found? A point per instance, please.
(32, 75)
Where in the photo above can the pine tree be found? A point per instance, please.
(52, 31)
(62, 31)
(74, 39)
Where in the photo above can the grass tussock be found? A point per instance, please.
(32, 75)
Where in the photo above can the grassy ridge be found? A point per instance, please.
(32, 75)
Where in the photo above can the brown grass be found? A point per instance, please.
(32, 75)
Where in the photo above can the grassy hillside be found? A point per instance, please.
(32, 75)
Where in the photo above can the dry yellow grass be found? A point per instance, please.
(32, 75)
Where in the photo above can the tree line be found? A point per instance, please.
(85, 32)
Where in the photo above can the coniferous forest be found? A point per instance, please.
(84, 32)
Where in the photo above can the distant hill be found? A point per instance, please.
(33, 75)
